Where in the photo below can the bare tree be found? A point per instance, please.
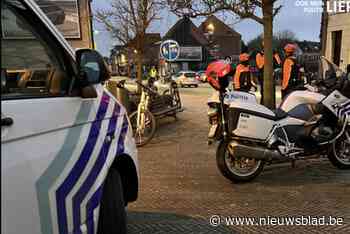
(280, 39)
(262, 11)
(128, 21)
(286, 35)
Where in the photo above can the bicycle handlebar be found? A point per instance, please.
(144, 87)
(121, 83)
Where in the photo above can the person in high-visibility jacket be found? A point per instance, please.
(153, 72)
(290, 71)
(260, 63)
(243, 78)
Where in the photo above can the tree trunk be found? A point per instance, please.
(269, 83)
(129, 58)
(324, 25)
(139, 58)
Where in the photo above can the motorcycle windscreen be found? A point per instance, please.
(329, 73)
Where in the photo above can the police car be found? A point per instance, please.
(68, 158)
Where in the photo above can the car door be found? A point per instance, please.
(43, 125)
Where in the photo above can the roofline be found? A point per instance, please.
(197, 31)
(213, 16)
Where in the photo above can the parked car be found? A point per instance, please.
(68, 156)
(186, 79)
(202, 76)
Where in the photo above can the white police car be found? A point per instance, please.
(68, 158)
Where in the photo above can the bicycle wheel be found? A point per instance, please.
(143, 135)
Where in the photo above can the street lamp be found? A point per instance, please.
(210, 31)
(210, 28)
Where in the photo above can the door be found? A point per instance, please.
(337, 45)
(42, 127)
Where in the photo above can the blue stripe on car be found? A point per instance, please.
(90, 207)
(96, 198)
(48, 178)
(124, 130)
(78, 168)
(94, 172)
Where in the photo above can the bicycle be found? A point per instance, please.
(143, 121)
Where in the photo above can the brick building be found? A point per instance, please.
(193, 45)
(213, 39)
(123, 57)
(225, 41)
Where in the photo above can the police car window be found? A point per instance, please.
(28, 66)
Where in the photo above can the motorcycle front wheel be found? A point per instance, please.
(339, 154)
(145, 135)
(236, 168)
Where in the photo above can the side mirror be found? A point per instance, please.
(92, 67)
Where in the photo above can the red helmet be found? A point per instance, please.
(290, 48)
(244, 57)
(217, 74)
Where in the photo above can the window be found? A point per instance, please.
(28, 66)
(337, 44)
(190, 74)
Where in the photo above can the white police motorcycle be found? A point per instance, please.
(308, 122)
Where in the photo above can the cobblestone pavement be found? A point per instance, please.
(181, 187)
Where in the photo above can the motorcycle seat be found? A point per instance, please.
(280, 114)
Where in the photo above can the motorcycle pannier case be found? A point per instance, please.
(250, 120)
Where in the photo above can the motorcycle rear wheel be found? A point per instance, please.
(339, 154)
(231, 169)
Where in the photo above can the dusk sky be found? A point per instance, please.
(305, 25)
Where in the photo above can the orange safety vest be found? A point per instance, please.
(290, 73)
(242, 72)
(260, 61)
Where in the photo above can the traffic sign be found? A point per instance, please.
(228, 59)
(170, 50)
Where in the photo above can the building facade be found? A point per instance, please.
(123, 57)
(86, 39)
(193, 45)
(224, 41)
(212, 40)
(338, 39)
(197, 48)
(73, 18)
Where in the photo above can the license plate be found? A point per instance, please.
(212, 131)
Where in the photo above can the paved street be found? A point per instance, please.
(181, 187)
